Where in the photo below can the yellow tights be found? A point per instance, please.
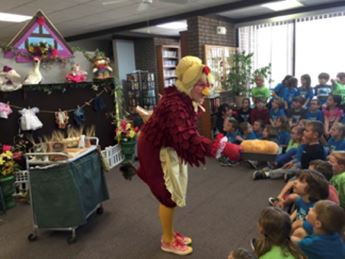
(166, 216)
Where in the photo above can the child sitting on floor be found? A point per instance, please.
(311, 149)
(260, 91)
(260, 112)
(310, 186)
(332, 113)
(222, 113)
(276, 111)
(296, 112)
(286, 197)
(243, 114)
(337, 140)
(322, 90)
(337, 160)
(274, 227)
(258, 127)
(246, 132)
(282, 124)
(314, 112)
(327, 220)
(231, 132)
(292, 147)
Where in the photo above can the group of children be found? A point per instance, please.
(307, 219)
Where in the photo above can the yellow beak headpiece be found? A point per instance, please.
(189, 71)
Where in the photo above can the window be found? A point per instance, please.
(270, 43)
(320, 46)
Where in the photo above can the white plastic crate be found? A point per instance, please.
(22, 182)
(113, 155)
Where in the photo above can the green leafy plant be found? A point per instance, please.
(240, 74)
(262, 72)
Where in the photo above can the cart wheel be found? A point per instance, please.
(32, 237)
(100, 210)
(71, 240)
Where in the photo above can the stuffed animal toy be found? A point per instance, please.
(76, 75)
(101, 68)
(10, 80)
(34, 76)
(259, 147)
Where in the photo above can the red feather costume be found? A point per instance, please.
(172, 124)
(170, 139)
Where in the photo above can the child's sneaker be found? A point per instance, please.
(224, 161)
(253, 164)
(259, 174)
(176, 247)
(273, 201)
(253, 244)
(185, 240)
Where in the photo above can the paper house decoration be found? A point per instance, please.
(39, 37)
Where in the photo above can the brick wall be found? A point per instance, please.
(203, 30)
(145, 56)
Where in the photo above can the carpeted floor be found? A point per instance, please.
(223, 204)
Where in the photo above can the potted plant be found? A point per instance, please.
(8, 166)
(262, 72)
(126, 137)
(240, 75)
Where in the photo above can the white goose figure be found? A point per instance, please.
(34, 76)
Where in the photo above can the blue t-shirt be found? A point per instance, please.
(232, 136)
(302, 208)
(283, 138)
(257, 135)
(288, 94)
(322, 92)
(251, 135)
(314, 116)
(274, 114)
(305, 93)
(323, 246)
(279, 89)
(336, 144)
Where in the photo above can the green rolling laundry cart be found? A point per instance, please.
(65, 193)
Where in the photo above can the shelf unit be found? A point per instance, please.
(217, 58)
(167, 59)
(140, 90)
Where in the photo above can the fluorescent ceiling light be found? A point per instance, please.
(283, 5)
(174, 25)
(9, 17)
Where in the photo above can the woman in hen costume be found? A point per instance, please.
(170, 139)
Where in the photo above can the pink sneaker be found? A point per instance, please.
(183, 239)
(176, 247)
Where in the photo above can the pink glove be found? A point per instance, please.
(221, 147)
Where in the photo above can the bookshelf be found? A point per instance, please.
(167, 59)
(217, 58)
(140, 90)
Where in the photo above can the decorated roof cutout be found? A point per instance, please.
(38, 38)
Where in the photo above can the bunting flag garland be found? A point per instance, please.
(86, 103)
(61, 116)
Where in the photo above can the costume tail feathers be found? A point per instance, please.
(128, 170)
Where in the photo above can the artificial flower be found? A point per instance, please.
(125, 131)
(8, 164)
